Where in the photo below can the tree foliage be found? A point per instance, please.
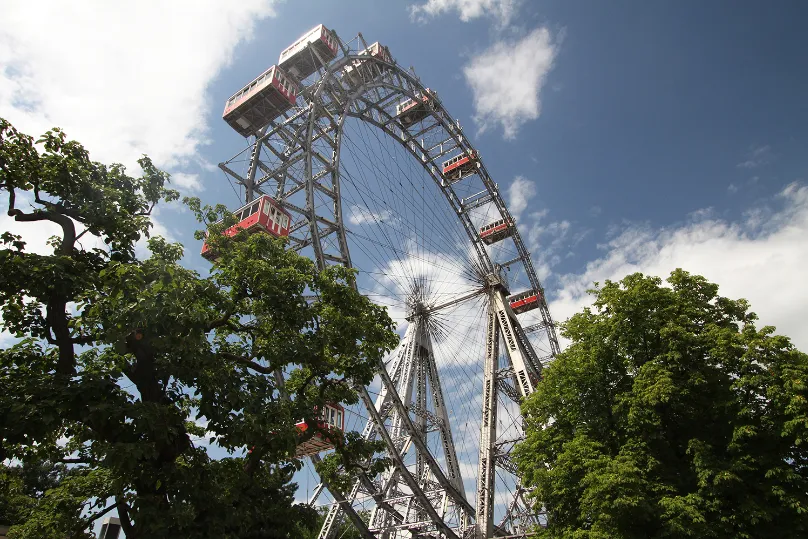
(670, 414)
(342, 530)
(124, 367)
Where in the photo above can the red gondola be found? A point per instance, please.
(298, 59)
(464, 164)
(525, 301)
(260, 102)
(414, 110)
(375, 50)
(331, 419)
(496, 231)
(263, 214)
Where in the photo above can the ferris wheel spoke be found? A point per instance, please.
(396, 214)
(407, 177)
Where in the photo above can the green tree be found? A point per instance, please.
(22, 486)
(344, 530)
(670, 414)
(122, 366)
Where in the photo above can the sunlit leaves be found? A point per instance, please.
(670, 415)
(125, 368)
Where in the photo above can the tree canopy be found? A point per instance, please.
(670, 414)
(123, 367)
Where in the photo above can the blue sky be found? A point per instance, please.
(647, 121)
(628, 136)
(649, 112)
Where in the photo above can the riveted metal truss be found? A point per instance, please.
(516, 379)
(296, 160)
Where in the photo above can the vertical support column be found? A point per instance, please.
(488, 429)
(382, 400)
(523, 369)
(311, 203)
(343, 241)
(255, 157)
(449, 451)
(420, 403)
(413, 370)
(526, 374)
(404, 386)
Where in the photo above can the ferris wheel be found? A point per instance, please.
(353, 160)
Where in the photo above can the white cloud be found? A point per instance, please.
(186, 182)
(519, 194)
(35, 234)
(732, 188)
(123, 78)
(548, 241)
(359, 216)
(757, 157)
(554, 235)
(507, 80)
(502, 10)
(762, 257)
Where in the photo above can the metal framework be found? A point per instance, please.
(296, 160)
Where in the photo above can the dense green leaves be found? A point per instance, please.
(124, 368)
(670, 415)
(343, 530)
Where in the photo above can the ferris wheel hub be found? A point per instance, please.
(496, 281)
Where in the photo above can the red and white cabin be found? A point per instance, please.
(332, 419)
(464, 164)
(414, 110)
(525, 301)
(376, 50)
(299, 60)
(263, 214)
(496, 231)
(260, 102)
(379, 51)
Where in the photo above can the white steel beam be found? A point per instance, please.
(519, 358)
(449, 452)
(484, 524)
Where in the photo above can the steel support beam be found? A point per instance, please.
(486, 473)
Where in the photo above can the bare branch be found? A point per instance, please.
(84, 339)
(83, 232)
(219, 322)
(146, 213)
(74, 461)
(12, 198)
(101, 514)
(247, 362)
(57, 207)
(56, 305)
(123, 513)
(302, 389)
(68, 227)
(228, 315)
